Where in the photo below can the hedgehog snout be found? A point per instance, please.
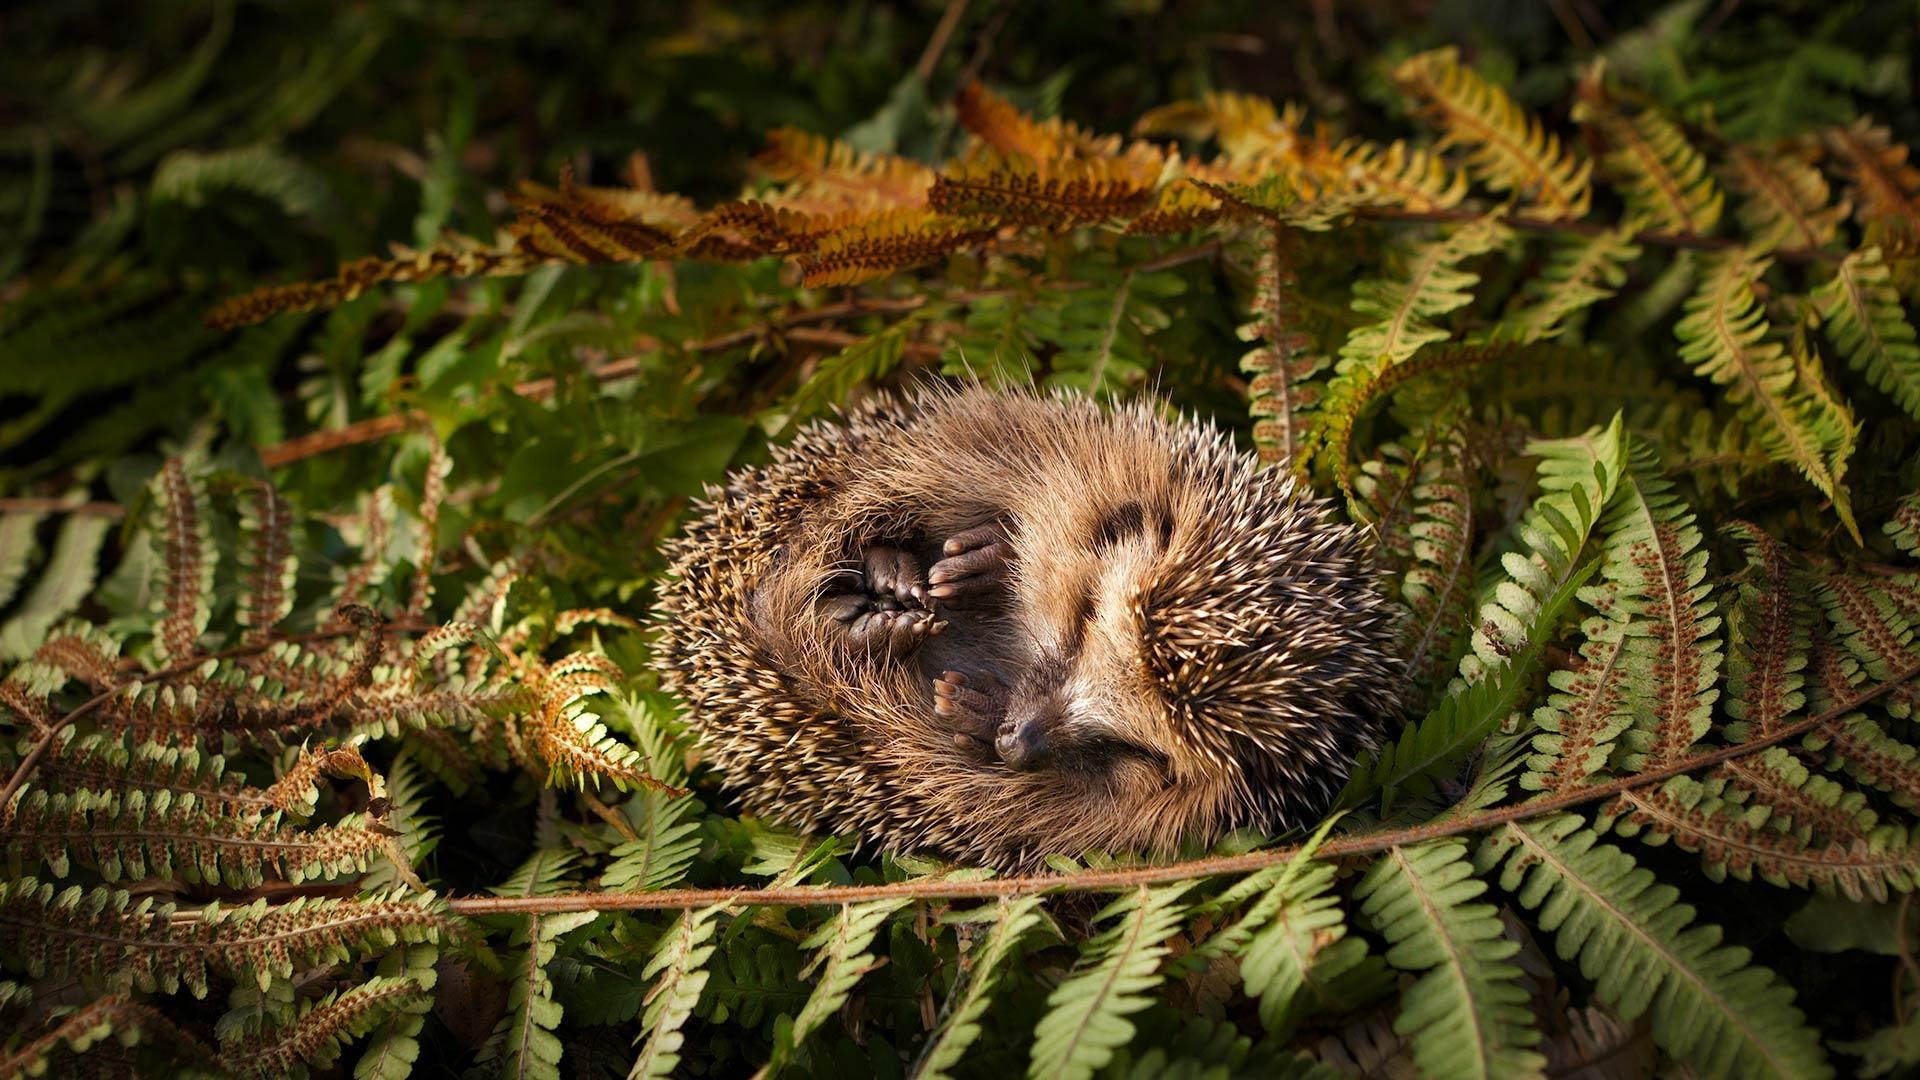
(1024, 740)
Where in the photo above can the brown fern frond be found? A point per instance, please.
(1279, 370)
(1785, 201)
(580, 224)
(80, 1029)
(993, 120)
(356, 277)
(376, 520)
(120, 764)
(266, 555)
(1768, 641)
(1812, 807)
(1178, 208)
(1507, 148)
(298, 788)
(103, 937)
(762, 228)
(1730, 842)
(570, 741)
(186, 560)
(84, 652)
(889, 241)
(1885, 186)
(1068, 193)
(829, 174)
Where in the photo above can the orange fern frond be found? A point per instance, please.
(356, 277)
(829, 174)
(1013, 190)
(888, 242)
(1885, 186)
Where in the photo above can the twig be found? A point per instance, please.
(1365, 843)
(937, 44)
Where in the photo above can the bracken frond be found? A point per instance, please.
(1508, 149)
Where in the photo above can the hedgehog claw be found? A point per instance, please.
(890, 570)
(976, 561)
(891, 631)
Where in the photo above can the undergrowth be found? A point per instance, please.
(1612, 352)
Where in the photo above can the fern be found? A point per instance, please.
(1087, 1014)
(959, 1027)
(1295, 952)
(1466, 1015)
(679, 967)
(63, 582)
(1578, 477)
(1863, 316)
(1725, 336)
(1708, 1006)
(1510, 150)
(1785, 201)
(1667, 183)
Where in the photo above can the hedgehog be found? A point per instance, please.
(1005, 625)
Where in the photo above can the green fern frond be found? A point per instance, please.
(1580, 272)
(1467, 1013)
(1420, 505)
(1087, 1014)
(1509, 150)
(64, 581)
(1725, 335)
(1401, 310)
(524, 1045)
(959, 1027)
(1664, 179)
(1707, 1003)
(1861, 313)
(669, 838)
(1578, 477)
(1904, 526)
(679, 967)
(843, 958)
(196, 179)
(1103, 331)
(1295, 953)
(314, 1039)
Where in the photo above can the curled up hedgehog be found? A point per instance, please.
(1002, 626)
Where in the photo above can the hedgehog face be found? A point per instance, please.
(1087, 705)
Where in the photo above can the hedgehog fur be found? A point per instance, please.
(1003, 626)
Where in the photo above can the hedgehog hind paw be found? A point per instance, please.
(975, 562)
(972, 706)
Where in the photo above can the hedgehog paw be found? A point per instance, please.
(972, 705)
(881, 626)
(896, 573)
(975, 561)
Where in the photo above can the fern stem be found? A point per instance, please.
(1364, 843)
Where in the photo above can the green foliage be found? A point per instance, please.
(331, 733)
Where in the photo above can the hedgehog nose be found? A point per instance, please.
(1023, 745)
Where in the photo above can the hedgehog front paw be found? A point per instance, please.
(976, 561)
(973, 706)
(887, 613)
